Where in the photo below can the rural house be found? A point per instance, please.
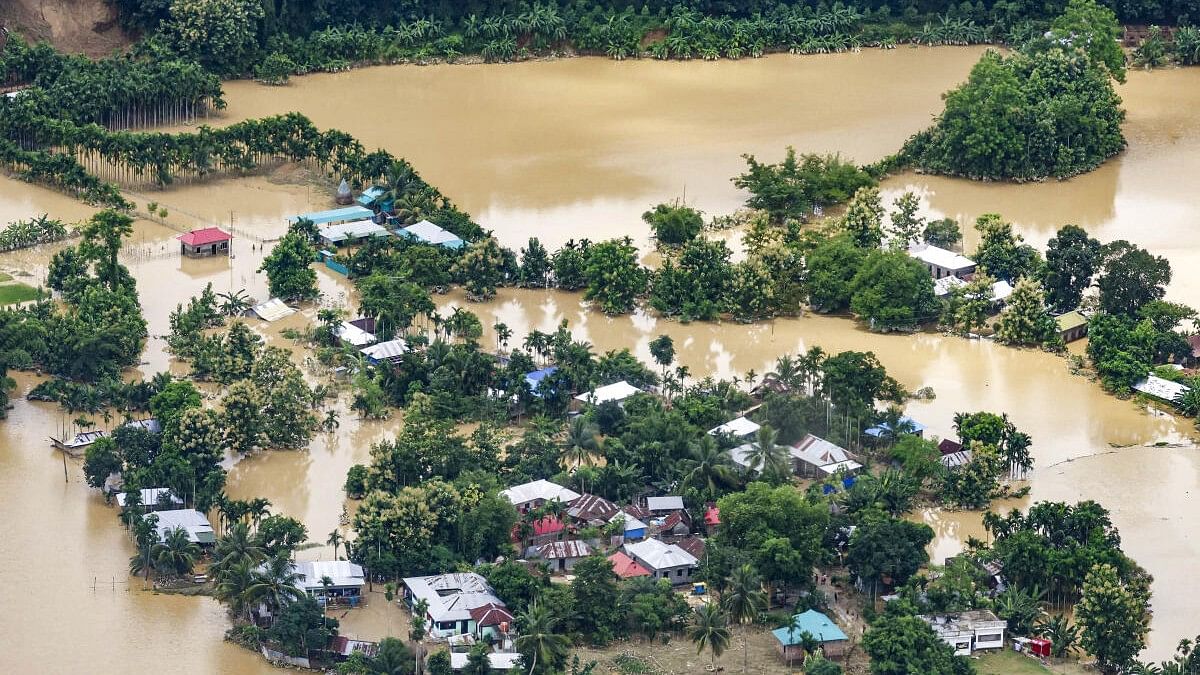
(968, 631)
(562, 555)
(942, 263)
(196, 524)
(205, 242)
(532, 495)
(664, 561)
(832, 639)
(459, 603)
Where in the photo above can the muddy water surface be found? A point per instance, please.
(581, 148)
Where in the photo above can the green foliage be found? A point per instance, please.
(276, 69)
(594, 588)
(898, 645)
(481, 269)
(1071, 261)
(943, 233)
(1114, 615)
(832, 267)
(792, 188)
(1001, 252)
(289, 272)
(220, 34)
(1093, 28)
(1130, 277)
(1025, 320)
(974, 484)
(885, 547)
(302, 627)
(697, 286)
(863, 219)
(613, 276)
(674, 224)
(892, 291)
(1023, 117)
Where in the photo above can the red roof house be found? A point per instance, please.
(491, 614)
(949, 447)
(545, 530)
(208, 241)
(626, 567)
(712, 516)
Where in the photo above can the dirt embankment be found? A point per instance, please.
(78, 26)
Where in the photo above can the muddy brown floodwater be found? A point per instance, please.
(580, 148)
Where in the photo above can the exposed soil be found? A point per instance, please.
(77, 26)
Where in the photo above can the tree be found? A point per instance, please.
(535, 265)
(674, 224)
(856, 380)
(217, 33)
(1071, 260)
(1130, 277)
(289, 272)
(708, 468)
(1063, 635)
(906, 226)
(710, 629)
(943, 233)
(767, 459)
(301, 627)
(662, 348)
(900, 644)
(439, 662)
(613, 276)
(176, 554)
(1026, 321)
(276, 69)
(594, 588)
(885, 547)
(743, 600)
(102, 237)
(792, 188)
(481, 269)
(863, 219)
(892, 291)
(1094, 29)
(275, 584)
(540, 646)
(832, 267)
(1114, 616)
(477, 661)
(1001, 252)
(100, 461)
(968, 305)
(241, 418)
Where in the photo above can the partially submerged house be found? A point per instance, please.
(429, 233)
(272, 310)
(1072, 326)
(458, 603)
(832, 639)
(814, 455)
(617, 392)
(191, 521)
(905, 425)
(533, 379)
(942, 263)
(333, 216)
(969, 631)
(664, 561)
(353, 232)
(740, 428)
(1161, 389)
(346, 577)
(957, 458)
(205, 242)
(391, 352)
(153, 499)
(561, 556)
(349, 333)
(534, 494)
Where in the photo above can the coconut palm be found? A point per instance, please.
(582, 442)
(767, 458)
(175, 554)
(233, 587)
(275, 584)
(743, 599)
(537, 640)
(708, 468)
(710, 628)
(335, 539)
(237, 547)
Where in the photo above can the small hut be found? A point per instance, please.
(344, 196)
(205, 242)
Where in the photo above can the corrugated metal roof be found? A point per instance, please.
(740, 427)
(669, 503)
(1162, 389)
(618, 391)
(940, 257)
(334, 215)
(356, 229)
(564, 549)
(658, 556)
(343, 573)
(351, 334)
(386, 351)
(812, 622)
(430, 233)
(539, 489)
(272, 310)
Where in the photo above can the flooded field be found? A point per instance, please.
(581, 148)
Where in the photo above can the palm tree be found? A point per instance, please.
(326, 584)
(710, 628)
(234, 303)
(237, 547)
(175, 553)
(1063, 636)
(275, 584)
(744, 600)
(537, 639)
(335, 539)
(258, 508)
(582, 442)
(233, 587)
(708, 468)
(767, 458)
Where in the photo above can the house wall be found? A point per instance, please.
(676, 575)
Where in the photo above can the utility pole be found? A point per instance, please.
(66, 478)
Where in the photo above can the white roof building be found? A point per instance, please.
(386, 351)
(343, 574)
(353, 230)
(943, 286)
(151, 497)
(198, 529)
(431, 233)
(956, 458)
(272, 310)
(631, 522)
(1162, 389)
(451, 597)
(618, 391)
(670, 503)
(742, 427)
(937, 257)
(659, 556)
(1001, 290)
(353, 335)
(501, 662)
(539, 490)
(826, 456)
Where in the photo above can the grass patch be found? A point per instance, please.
(5, 276)
(14, 293)
(1008, 662)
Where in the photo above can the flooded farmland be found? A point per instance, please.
(580, 148)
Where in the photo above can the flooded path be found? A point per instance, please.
(581, 148)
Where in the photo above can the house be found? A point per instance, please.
(198, 529)
(79, 442)
(533, 379)
(1194, 343)
(712, 516)
(544, 530)
(153, 499)
(956, 459)
(907, 425)
(272, 310)
(942, 287)
(741, 428)
(562, 555)
(342, 647)
(1000, 292)
(593, 509)
(428, 233)
(694, 546)
(949, 447)
(626, 567)
(1072, 326)
(370, 196)
(942, 263)
(350, 334)
(968, 631)
(350, 233)
(500, 662)
(664, 561)
(205, 242)
(457, 604)
(660, 505)
(634, 528)
(1164, 390)
(333, 216)
(676, 524)
(390, 352)
(814, 454)
(833, 640)
(618, 392)
(534, 494)
(348, 580)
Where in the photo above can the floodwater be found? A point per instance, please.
(580, 148)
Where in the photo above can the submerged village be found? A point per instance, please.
(273, 401)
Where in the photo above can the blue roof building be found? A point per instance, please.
(833, 641)
(370, 196)
(335, 216)
(907, 425)
(534, 379)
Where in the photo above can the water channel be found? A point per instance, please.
(580, 148)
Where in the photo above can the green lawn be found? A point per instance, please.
(13, 293)
(1008, 662)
